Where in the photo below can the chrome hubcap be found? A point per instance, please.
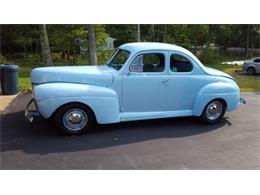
(214, 110)
(75, 119)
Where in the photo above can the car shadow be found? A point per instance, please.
(42, 138)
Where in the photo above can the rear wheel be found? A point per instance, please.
(213, 112)
(251, 70)
(74, 118)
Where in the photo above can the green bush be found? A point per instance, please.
(56, 57)
(32, 59)
(24, 59)
(2, 59)
(103, 56)
(209, 56)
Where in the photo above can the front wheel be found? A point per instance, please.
(74, 118)
(213, 112)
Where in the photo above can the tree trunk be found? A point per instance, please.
(252, 43)
(253, 39)
(247, 42)
(45, 47)
(68, 53)
(0, 40)
(74, 55)
(63, 54)
(92, 44)
(164, 33)
(152, 32)
(195, 50)
(138, 33)
(209, 35)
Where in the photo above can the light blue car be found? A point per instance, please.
(140, 81)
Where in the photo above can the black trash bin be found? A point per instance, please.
(1, 65)
(9, 79)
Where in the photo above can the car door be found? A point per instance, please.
(144, 88)
(257, 65)
(185, 82)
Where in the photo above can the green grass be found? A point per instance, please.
(245, 82)
(24, 84)
(24, 78)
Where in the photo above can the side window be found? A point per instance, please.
(257, 60)
(150, 62)
(179, 63)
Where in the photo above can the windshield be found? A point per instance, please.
(118, 59)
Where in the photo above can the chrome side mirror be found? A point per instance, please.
(130, 69)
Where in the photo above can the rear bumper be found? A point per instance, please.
(31, 115)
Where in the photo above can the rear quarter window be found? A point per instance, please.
(179, 63)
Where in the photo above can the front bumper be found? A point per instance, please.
(242, 101)
(30, 115)
(244, 67)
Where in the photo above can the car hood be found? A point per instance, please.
(94, 75)
(249, 61)
(215, 72)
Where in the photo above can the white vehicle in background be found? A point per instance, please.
(252, 67)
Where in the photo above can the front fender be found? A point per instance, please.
(103, 101)
(229, 92)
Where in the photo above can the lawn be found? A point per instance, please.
(24, 78)
(245, 82)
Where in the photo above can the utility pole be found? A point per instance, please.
(138, 33)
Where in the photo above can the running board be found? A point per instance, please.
(130, 116)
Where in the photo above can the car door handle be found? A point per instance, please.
(165, 81)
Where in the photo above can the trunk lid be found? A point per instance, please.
(215, 72)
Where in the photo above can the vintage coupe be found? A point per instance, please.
(140, 81)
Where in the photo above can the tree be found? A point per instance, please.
(45, 47)
(20, 38)
(92, 44)
(198, 34)
(66, 40)
(123, 33)
(254, 42)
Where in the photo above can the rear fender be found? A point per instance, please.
(228, 92)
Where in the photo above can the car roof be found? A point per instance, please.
(141, 46)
